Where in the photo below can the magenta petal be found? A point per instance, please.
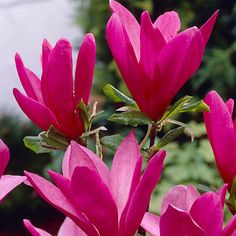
(208, 26)
(57, 83)
(169, 24)
(46, 50)
(50, 193)
(222, 194)
(183, 54)
(56, 198)
(149, 48)
(34, 231)
(68, 227)
(85, 69)
(127, 65)
(151, 223)
(76, 155)
(122, 171)
(8, 183)
(181, 197)
(230, 228)
(36, 85)
(95, 200)
(130, 25)
(37, 113)
(142, 194)
(64, 185)
(4, 157)
(29, 81)
(179, 223)
(230, 105)
(211, 222)
(221, 134)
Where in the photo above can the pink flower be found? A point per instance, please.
(102, 201)
(221, 133)
(68, 228)
(7, 182)
(154, 59)
(185, 212)
(53, 100)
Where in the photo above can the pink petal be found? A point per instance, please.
(208, 26)
(46, 50)
(142, 194)
(152, 42)
(36, 85)
(95, 200)
(230, 228)
(211, 222)
(57, 199)
(29, 81)
(150, 223)
(128, 66)
(130, 24)
(85, 69)
(37, 113)
(76, 155)
(230, 105)
(222, 194)
(57, 84)
(4, 157)
(8, 183)
(135, 182)
(183, 55)
(169, 24)
(181, 197)
(34, 231)
(179, 223)
(68, 227)
(123, 170)
(221, 134)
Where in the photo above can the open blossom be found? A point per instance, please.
(222, 134)
(102, 201)
(7, 182)
(53, 100)
(155, 59)
(185, 212)
(68, 228)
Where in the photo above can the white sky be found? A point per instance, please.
(23, 26)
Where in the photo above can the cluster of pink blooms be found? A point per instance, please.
(155, 60)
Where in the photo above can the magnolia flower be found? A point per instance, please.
(53, 100)
(185, 212)
(7, 182)
(222, 134)
(68, 228)
(102, 201)
(155, 59)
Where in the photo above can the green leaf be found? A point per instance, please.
(84, 113)
(199, 106)
(54, 138)
(35, 144)
(231, 202)
(117, 96)
(168, 138)
(112, 141)
(184, 105)
(174, 109)
(204, 189)
(133, 118)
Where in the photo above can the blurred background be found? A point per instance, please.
(25, 23)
